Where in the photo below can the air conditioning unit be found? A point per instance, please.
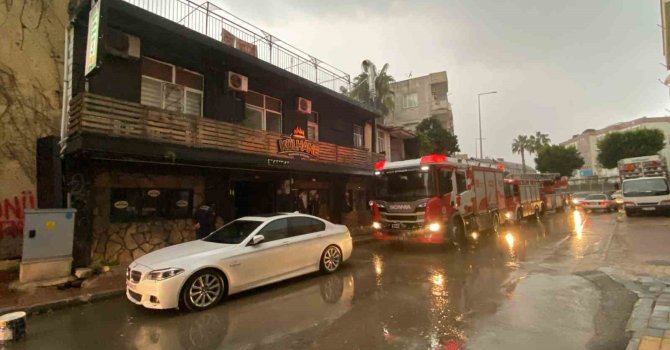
(122, 45)
(237, 82)
(304, 106)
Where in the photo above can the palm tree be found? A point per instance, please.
(520, 145)
(360, 90)
(539, 140)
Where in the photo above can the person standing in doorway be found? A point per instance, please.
(205, 219)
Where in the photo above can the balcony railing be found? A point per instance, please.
(210, 20)
(108, 116)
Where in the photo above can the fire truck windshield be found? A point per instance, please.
(404, 185)
(645, 187)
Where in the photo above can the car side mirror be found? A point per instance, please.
(257, 239)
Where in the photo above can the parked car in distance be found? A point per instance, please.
(598, 201)
(578, 197)
(246, 253)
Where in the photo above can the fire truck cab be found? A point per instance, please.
(435, 199)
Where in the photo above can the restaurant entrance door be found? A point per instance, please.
(253, 198)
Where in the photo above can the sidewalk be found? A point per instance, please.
(39, 299)
(105, 285)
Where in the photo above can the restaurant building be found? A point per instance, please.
(182, 105)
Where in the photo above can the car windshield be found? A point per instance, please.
(645, 188)
(233, 233)
(596, 197)
(404, 185)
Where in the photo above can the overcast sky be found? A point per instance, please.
(560, 66)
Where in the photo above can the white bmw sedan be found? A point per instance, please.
(246, 253)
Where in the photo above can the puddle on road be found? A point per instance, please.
(544, 312)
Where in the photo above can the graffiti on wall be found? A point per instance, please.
(12, 213)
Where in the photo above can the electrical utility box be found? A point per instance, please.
(48, 236)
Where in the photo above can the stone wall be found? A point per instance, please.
(124, 242)
(31, 71)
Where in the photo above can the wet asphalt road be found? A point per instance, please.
(514, 290)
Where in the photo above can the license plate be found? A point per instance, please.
(395, 225)
(649, 209)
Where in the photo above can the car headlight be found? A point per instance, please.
(434, 227)
(508, 215)
(162, 274)
(376, 225)
(575, 201)
(629, 204)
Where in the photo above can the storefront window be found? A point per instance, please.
(137, 204)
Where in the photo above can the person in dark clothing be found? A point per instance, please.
(205, 219)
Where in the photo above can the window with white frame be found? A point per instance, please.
(170, 87)
(313, 126)
(262, 112)
(411, 100)
(381, 142)
(358, 136)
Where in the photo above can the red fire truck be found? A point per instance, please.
(522, 198)
(435, 199)
(553, 191)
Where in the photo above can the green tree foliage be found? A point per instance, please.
(360, 91)
(435, 139)
(632, 143)
(558, 159)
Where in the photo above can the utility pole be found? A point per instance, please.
(479, 109)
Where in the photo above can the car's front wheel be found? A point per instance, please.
(331, 259)
(203, 290)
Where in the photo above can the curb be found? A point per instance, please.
(72, 301)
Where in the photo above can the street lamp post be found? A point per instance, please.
(479, 109)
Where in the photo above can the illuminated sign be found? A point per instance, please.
(92, 41)
(297, 145)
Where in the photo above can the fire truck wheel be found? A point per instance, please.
(537, 213)
(519, 216)
(456, 230)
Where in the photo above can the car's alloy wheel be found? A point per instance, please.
(331, 259)
(203, 290)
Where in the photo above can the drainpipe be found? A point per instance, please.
(66, 87)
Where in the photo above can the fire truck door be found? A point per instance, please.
(464, 200)
(500, 191)
(491, 197)
(480, 191)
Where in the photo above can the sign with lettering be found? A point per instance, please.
(279, 163)
(92, 41)
(297, 145)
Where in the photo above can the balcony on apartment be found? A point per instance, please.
(105, 118)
